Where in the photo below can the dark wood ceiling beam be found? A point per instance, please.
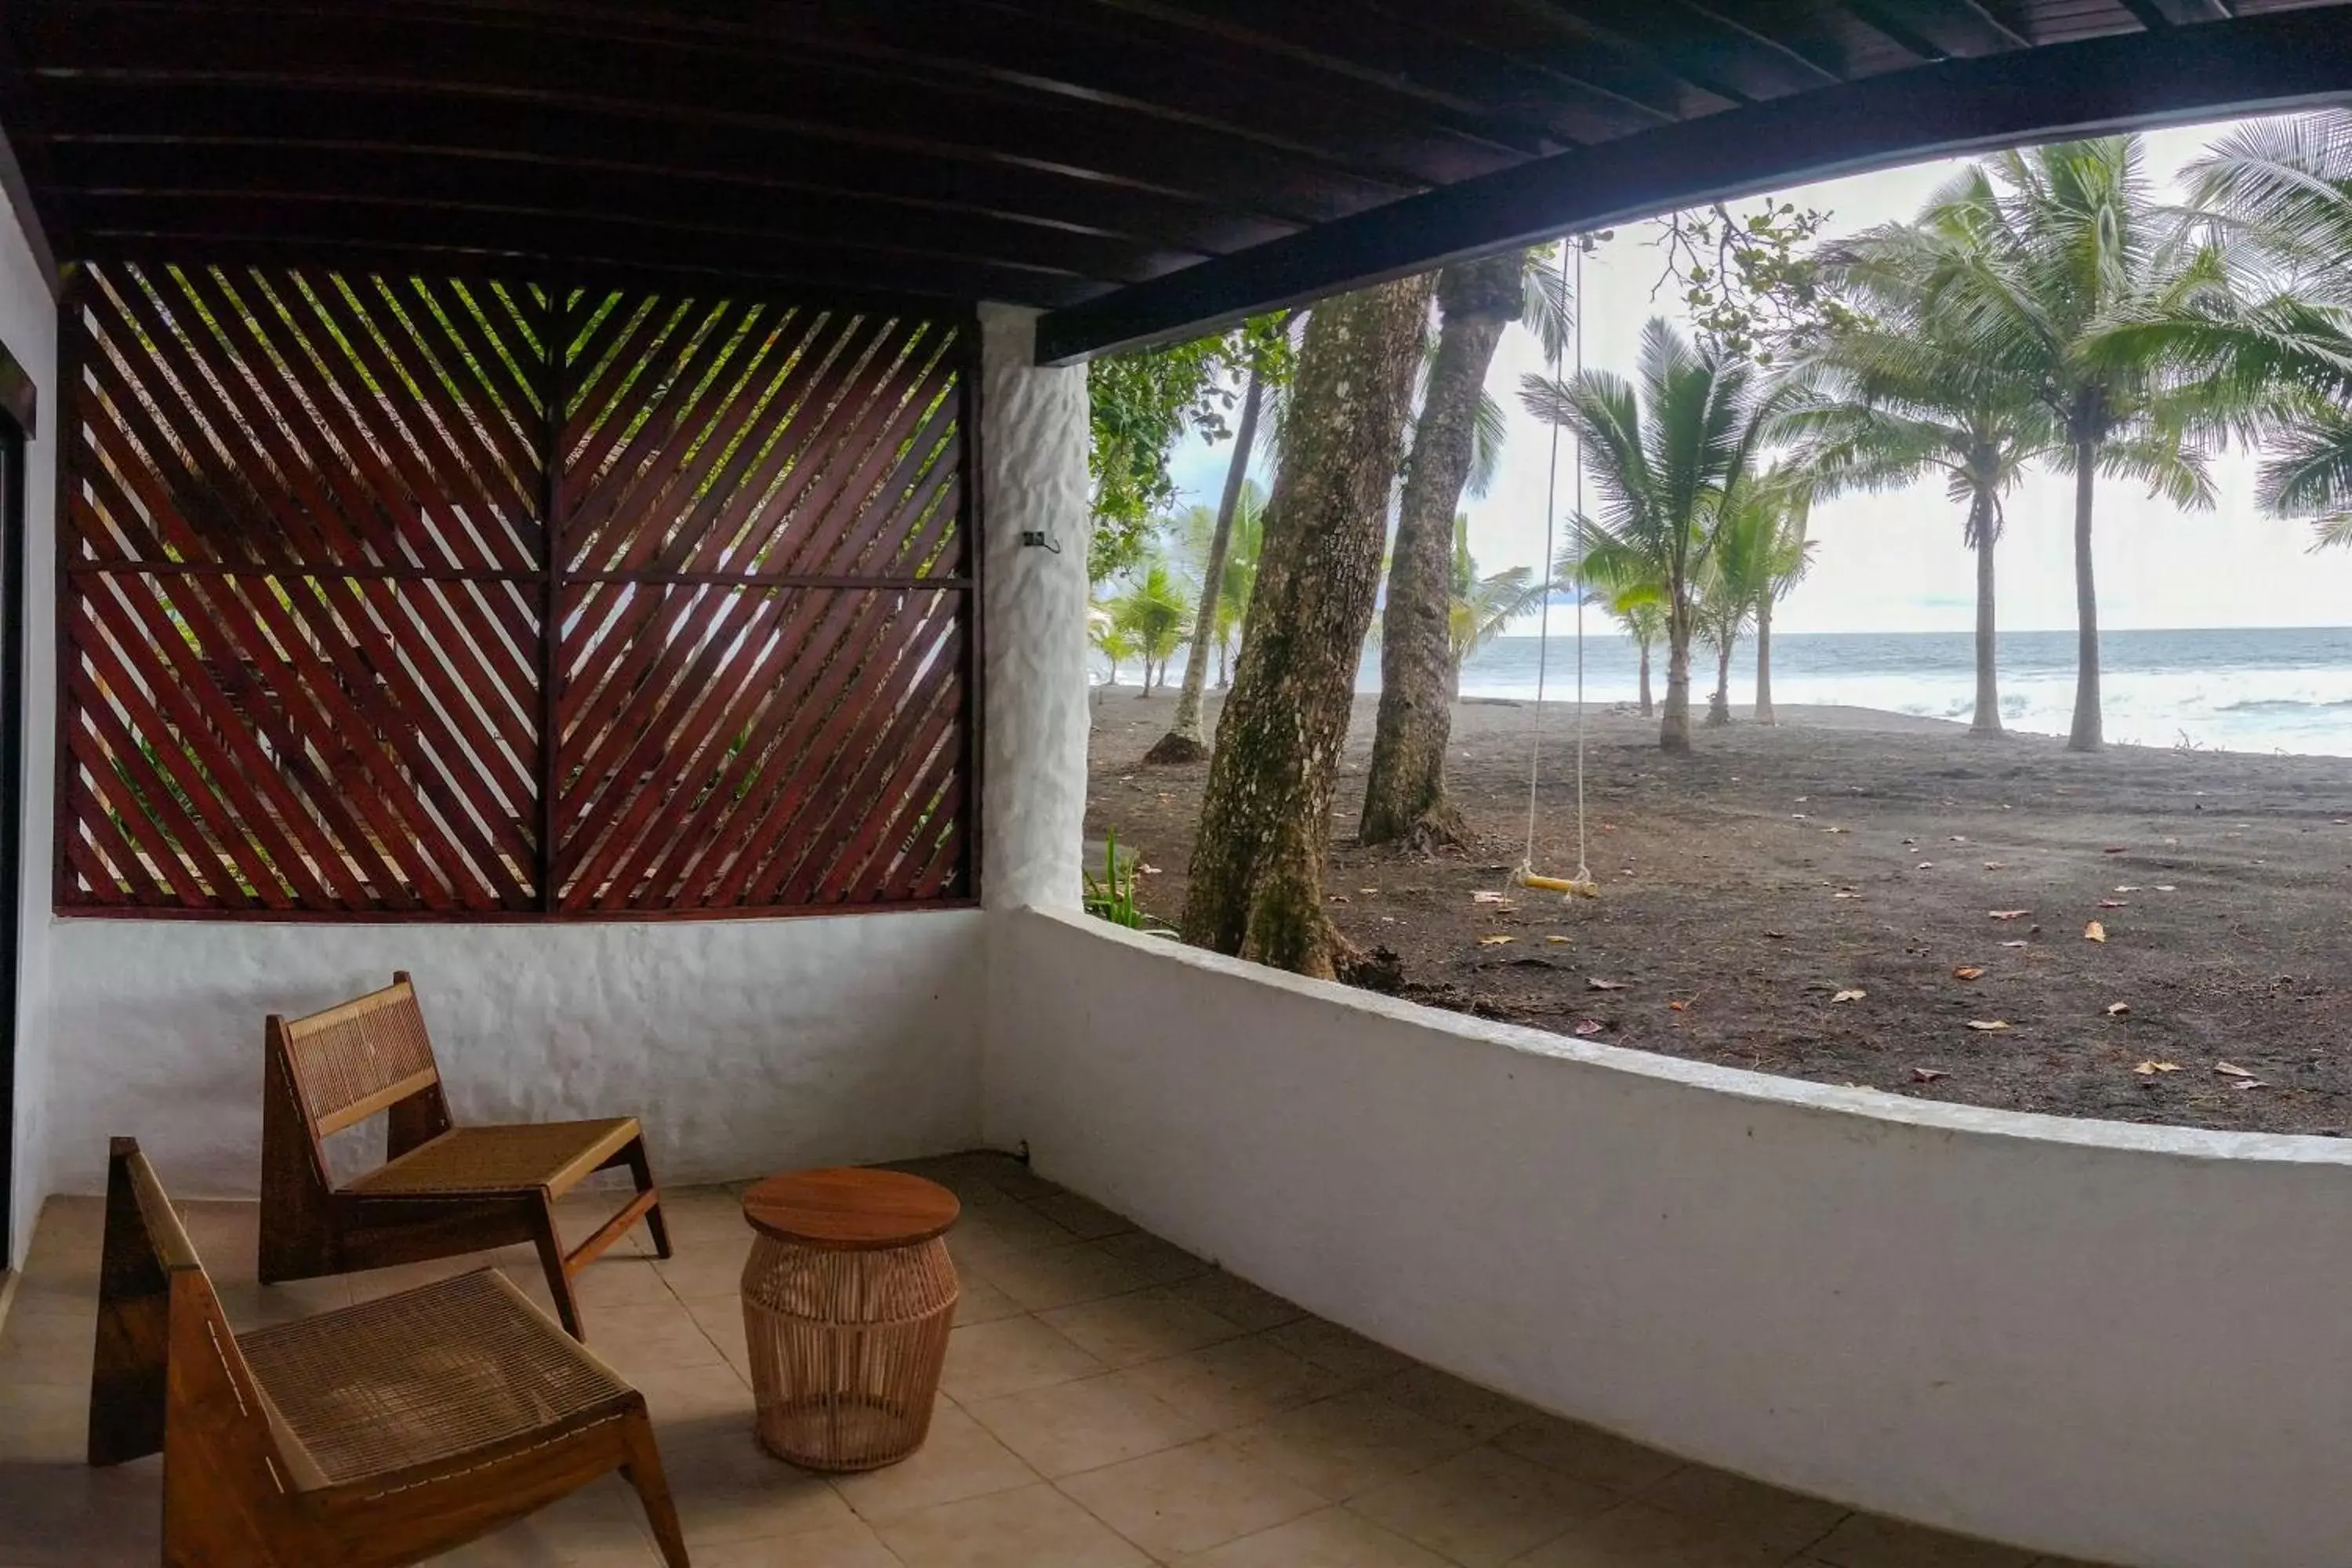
(2278, 61)
(1696, 90)
(236, 223)
(1824, 74)
(361, 50)
(131, 170)
(1697, 44)
(1983, 10)
(1570, 61)
(320, 120)
(1897, 30)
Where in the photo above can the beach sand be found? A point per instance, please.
(1847, 849)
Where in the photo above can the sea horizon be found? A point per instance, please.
(2260, 690)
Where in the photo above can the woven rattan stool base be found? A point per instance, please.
(847, 1345)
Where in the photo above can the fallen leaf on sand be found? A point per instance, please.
(1590, 1026)
(1960, 839)
(1849, 994)
(1338, 898)
(2114, 904)
(2165, 888)
(1557, 939)
(2128, 888)
(1778, 935)
(2095, 932)
(1995, 865)
(1845, 893)
(1148, 869)
(1796, 816)
(1837, 830)
(1990, 1026)
(2251, 1083)
(1966, 971)
(1678, 1006)
(2117, 1009)
(1367, 892)
(1484, 896)
(2009, 914)
(1591, 985)
(2150, 1069)
(2120, 848)
(1927, 1074)
(2230, 1069)
(2019, 942)
(1927, 865)
(1495, 941)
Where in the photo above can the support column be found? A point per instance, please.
(1034, 612)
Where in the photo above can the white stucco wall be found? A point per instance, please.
(2125, 1344)
(746, 1046)
(29, 326)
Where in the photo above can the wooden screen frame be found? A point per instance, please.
(963, 588)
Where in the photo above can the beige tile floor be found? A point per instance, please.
(1108, 1400)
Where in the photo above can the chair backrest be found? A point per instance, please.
(357, 1058)
(156, 1302)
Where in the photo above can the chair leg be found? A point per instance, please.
(559, 1278)
(642, 1168)
(644, 1470)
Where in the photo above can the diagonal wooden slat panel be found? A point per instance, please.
(301, 550)
(419, 597)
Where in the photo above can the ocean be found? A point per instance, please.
(2265, 689)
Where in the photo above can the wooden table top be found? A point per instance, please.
(850, 1209)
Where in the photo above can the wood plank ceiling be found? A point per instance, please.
(1139, 165)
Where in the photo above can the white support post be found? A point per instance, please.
(1033, 609)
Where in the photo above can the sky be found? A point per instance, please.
(1895, 562)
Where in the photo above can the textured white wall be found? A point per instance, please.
(1034, 463)
(746, 1046)
(28, 322)
(2122, 1344)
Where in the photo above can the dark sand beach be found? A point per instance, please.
(1845, 850)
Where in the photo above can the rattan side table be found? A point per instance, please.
(848, 1300)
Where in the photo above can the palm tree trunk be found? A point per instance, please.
(1718, 704)
(1256, 873)
(2085, 736)
(1405, 790)
(1223, 680)
(1988, 715)
(1764, 714)
(1673, 716)
(1648, 707)
(1184, 742)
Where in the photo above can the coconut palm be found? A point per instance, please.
(2283, 189)
(1761, 553)
(1894, 394)
(2051, 251)
(1245, 534)
(1110, 639)
(1154, 613)
(1484, 606)
(1665, 454)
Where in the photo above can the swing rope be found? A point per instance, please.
(1581, 884)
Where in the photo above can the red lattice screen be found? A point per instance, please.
(314, 524)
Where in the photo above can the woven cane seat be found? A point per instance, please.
(551, 1154)
(423, 1377)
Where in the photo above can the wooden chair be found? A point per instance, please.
(444, 1189)
(373, 1436)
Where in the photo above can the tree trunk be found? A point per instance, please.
(1718, 703)
(1674, 714)
(2085, 736)
(1648, 707)
(1988, 715)
(1404, 792)
(1184, 742)
(1224, 680)
(1764, 714)
(1256, 874)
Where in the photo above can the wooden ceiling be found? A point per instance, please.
(1136, 167)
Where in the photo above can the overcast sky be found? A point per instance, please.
(1894, 562)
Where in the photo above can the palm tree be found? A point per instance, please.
(1153, 613)
(1246, 535)
(2051, 249)
(1457, 443)
(1110, 639)
(1664, 456)
(1760, 552)
(2283, 188)
(1484, 606)
(1894, 394)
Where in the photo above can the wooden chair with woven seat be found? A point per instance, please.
(371, 1437)
(444, 1189)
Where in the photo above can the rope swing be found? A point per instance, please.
(1581, 885)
